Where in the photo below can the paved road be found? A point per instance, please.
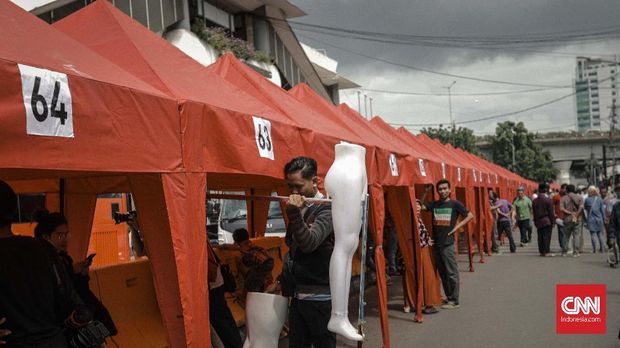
(509, 301)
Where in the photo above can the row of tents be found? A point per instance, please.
(147, 119)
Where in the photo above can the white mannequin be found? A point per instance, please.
(264, 316)
(347, 185)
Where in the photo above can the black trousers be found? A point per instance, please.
(544, 239)
(525, 229)
(308, 325)
(505, 226)
(222, 320)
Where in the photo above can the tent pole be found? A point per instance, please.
(360, 316)
(61, 195)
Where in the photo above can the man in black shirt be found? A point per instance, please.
(445, 215)
(29, 296)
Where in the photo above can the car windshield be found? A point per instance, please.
(234, 209)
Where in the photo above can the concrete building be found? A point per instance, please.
(261, 23)
(596, 90)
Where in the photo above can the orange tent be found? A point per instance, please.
(69, 113)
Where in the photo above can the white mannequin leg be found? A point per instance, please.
(264, 316)
(347, 184)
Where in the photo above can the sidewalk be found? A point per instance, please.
(509, 301)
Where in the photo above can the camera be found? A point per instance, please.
(125, 217)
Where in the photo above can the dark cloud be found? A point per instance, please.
(552, 63)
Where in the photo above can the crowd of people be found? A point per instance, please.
(568, 210)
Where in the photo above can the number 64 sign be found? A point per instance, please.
(47, 100)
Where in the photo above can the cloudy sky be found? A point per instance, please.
(548, 63)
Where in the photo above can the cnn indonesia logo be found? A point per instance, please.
(580, 309)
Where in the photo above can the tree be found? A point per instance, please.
(514, 148)
(462, 138)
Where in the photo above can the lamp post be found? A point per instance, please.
(512, 145)
(449, 88)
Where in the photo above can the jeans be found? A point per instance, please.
(594, 235)
(561, 237)
(544, 239)
(571, 229)
(391, 248)
(494, 237)
(524, 229)
(448, 271)
(308, 324)
(222, 320)
(505, 226)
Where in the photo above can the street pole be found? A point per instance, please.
(449, 88)
(370, 107)
(512, 144)
(359, 103)
(365, 105)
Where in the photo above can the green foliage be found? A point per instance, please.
(219, 39)
(530, 161)
(462, 137)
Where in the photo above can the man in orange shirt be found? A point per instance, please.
(559, 215)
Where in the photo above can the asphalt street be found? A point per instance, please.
(509, 301)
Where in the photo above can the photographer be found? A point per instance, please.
(310, 236)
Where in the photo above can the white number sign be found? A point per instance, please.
(496, 179)
(262, 133)
(47, 99)
(421, 165)
(475, 177)
(458, 174)
(393, 164)
(443, 170)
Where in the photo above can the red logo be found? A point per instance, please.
(580, 308)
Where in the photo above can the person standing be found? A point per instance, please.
(522, 214)
(310, 237)
(572, 206)
(595, 217)
(559, 216)
(220, 316)
(544, 216)
(613, 234)
(608, 204)
(446, 212)
(504, 221)
(494, 235)
(391, 243)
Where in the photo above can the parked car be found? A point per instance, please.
(233, 214)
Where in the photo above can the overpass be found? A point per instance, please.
(570, 154)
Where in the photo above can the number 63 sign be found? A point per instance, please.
(47, 100)
(262, 133)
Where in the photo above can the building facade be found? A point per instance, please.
(262, 24)
(596, 92)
